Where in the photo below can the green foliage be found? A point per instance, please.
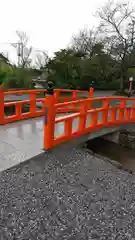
(17, 78)
(65, 69)
(14, 77)
(72, 69)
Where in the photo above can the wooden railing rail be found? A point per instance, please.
(32, 103)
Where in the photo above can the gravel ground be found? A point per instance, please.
(66, 195)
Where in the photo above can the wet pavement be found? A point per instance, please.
(13, 98)
(19, 141)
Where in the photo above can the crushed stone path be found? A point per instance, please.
(66, 195)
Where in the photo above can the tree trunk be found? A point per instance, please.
(121, 83)
(122, 75)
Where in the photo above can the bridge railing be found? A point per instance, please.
(32, 101)
(113, 111)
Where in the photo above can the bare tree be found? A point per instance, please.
(85, 41)
(41, 59)
(118, 27)
(23, 50)
(4, 57)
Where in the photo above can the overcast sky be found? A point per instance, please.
(50, 24)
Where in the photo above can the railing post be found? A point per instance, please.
(56, 95)
(105, 111)
(83, 115)
(90, 95)
(74, 95)
(91, 92)
(128, 113)
(1, 106)
(113, 115)
(18, 110)
(94, 119)
(122, 109)
(133, 111)
(32, 98)
(49, 123)
(68, 128)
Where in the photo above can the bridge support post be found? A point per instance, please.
(49, 122)
(1, 106)
(113, 137)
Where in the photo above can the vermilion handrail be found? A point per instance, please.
(88, 120)
(16, 92)
(32, 101)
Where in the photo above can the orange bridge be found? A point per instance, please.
(65, 116)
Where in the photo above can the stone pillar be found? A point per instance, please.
(113, 137)
(127, 139)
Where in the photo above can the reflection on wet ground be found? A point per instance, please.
(22, 140)
(105, 148)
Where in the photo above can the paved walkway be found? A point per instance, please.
(19, 141)
(22, 140)
(67, 195)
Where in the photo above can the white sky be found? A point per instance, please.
(50, 24)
